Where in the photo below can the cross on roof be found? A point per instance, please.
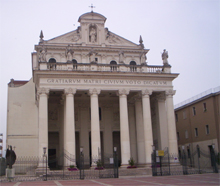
(92, 7)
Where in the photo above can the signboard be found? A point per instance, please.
(160, 153)
(111, 160)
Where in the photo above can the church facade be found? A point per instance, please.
(93, 89)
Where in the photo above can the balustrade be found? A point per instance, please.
(102, 67)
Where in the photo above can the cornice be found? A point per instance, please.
(79, 47)
(113, 75)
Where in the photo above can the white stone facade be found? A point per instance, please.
(93, 89)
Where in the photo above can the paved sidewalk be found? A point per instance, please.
(181, 180)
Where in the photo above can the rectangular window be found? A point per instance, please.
(194, 111)
(196, 132)
(186, 134)
(204, 107)
(184, 114)
(178, 136)
(176, 115)
(207, 129)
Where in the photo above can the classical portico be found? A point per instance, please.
(93, 89)
(96, 114)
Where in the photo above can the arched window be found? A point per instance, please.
(51, 64)
(74, 64)
(133, 63)
(52, 60)
(133, 66)
(113, 65)
(74, 61)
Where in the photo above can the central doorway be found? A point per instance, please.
(116, 143)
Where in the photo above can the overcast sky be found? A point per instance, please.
(187, 29)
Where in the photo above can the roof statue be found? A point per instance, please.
(42, 55)
(164, 57)
(69, 53)
(143, 58)
(121, 57)
(92, 55)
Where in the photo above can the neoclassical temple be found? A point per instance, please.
(93, 89)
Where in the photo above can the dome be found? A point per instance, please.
(92, 16)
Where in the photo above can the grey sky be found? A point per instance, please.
(189, 30)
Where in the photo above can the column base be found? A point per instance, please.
(124, 166)
(144, 165)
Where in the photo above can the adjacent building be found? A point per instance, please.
(198, 121)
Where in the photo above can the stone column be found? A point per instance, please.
(95, 125)
(69, 126)
(124, 127)
(163, 128)
(42, 121)
(148, 135)
(171, 122)
(140, 131)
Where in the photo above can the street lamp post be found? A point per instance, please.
(115, 163)
(45, 155)
(81, 164)
(154, 164)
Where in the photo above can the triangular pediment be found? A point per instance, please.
(74, 37)
(114, 39)
(71, 37)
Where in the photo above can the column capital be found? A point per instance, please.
(170, 93)
(123, 92)
(42, 91)
(69, 91)
(146, 92)
(94, 91)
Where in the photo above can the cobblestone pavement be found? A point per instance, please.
(181, 180)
